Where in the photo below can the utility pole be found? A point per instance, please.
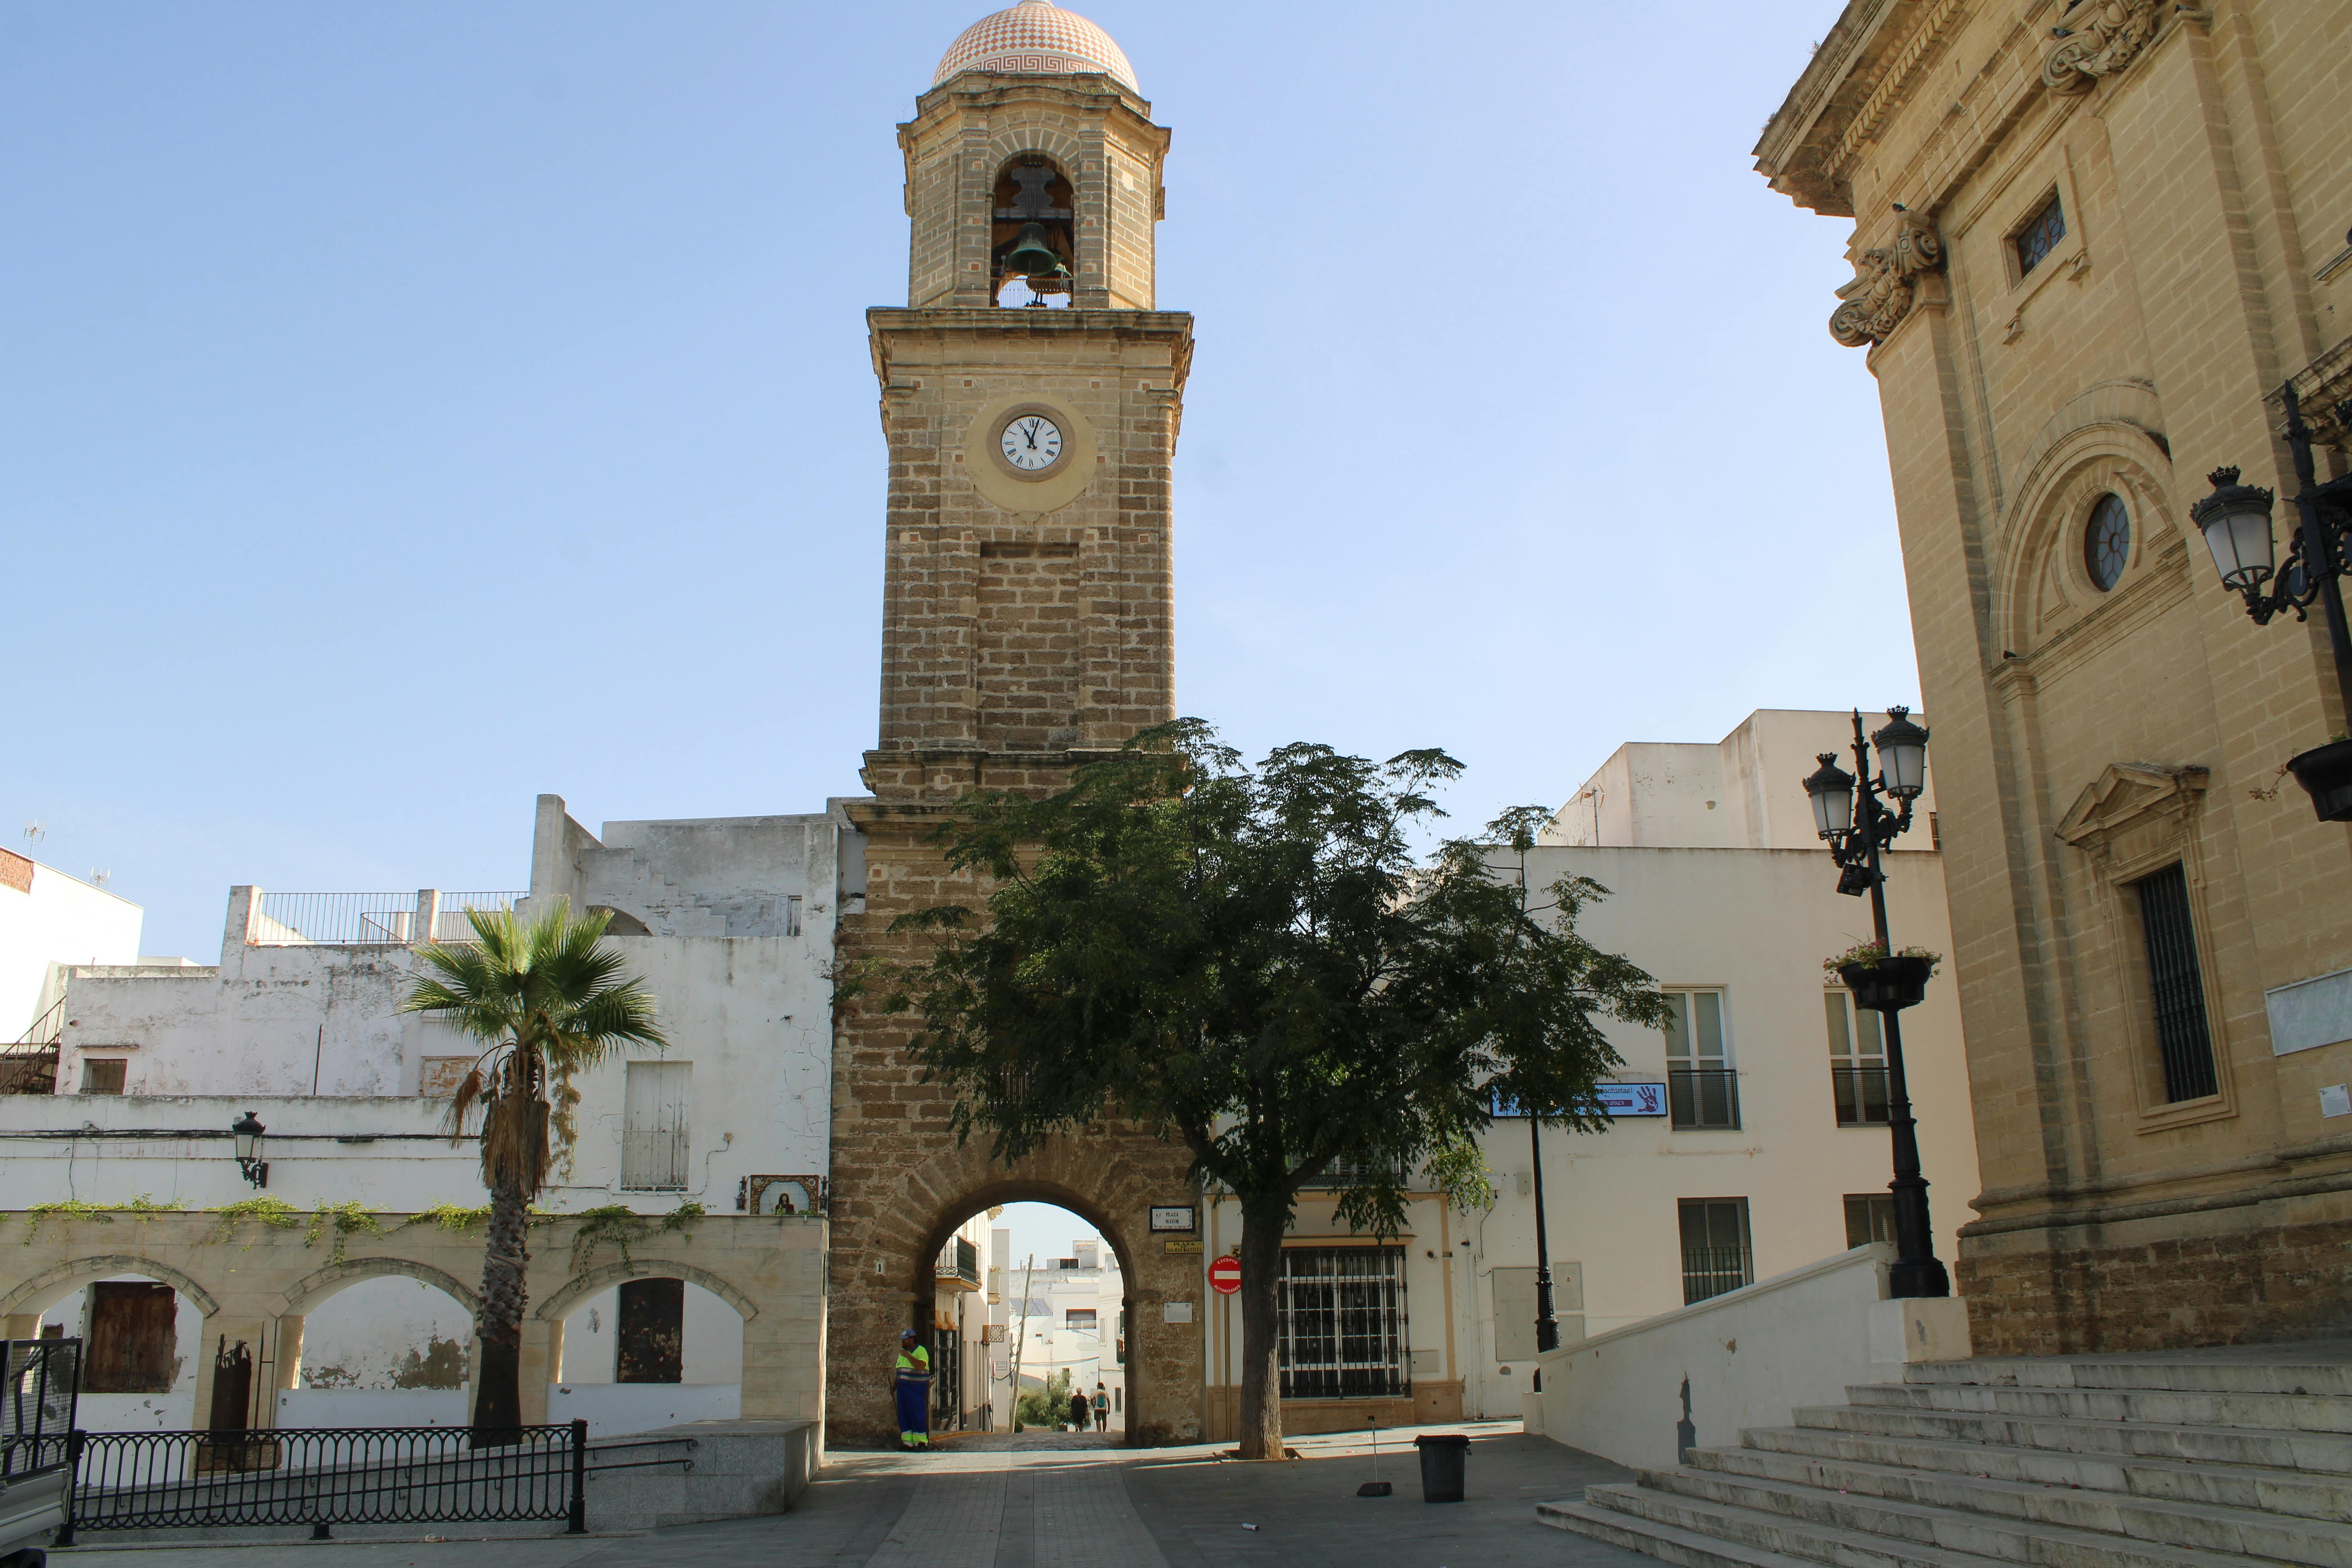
(1021, 1338)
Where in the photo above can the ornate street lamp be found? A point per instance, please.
(1855, 845)
(248, 1130)
(2236, 523)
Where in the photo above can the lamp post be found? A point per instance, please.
(2236, 523)
(1855, 846)
(1547, 1324)
(248, 1130)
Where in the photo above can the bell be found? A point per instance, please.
(1032, 253)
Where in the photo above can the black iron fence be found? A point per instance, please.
(327, 1476)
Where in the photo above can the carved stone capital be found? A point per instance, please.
(1887, 281)
(2096, 38)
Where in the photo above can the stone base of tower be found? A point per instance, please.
(901, 1181)
(2262, 1272)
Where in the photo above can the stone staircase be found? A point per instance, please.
(2192, 1460)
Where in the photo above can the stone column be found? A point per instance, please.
(281, 1372)
(422, 924)
(21, 1326)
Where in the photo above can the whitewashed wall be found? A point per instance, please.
(58, 920)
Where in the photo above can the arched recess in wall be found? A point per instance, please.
(382, 1342)
(2044, 584)
(619, 922)
(645, 1344)
(53, 1284)
(141, 1327)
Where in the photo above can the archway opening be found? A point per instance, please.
(141, 1342)
(648, 1353)
(1027, 1321)
(386, 1350)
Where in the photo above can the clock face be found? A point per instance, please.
(1033, 443)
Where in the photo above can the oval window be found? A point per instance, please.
(2106, 541)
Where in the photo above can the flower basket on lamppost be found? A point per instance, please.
(1853, 821)
(2235, 520)
(1884, 982)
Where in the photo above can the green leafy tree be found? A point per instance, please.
(1255, 962)
(547, 1001)
(1048, 1406)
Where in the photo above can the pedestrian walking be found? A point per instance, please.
(1078, 1409)
(914, 1392)
(1102, 1409)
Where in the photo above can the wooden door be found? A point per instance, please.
(132, 1347)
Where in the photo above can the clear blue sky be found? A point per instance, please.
(405, 409)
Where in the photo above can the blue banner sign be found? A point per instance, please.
(1616, 1099)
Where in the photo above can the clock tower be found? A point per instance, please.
(1030, 394)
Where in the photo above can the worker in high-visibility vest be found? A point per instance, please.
(914, 1392)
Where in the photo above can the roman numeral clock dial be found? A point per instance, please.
(1032, 443)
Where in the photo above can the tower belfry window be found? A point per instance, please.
(1033, 250)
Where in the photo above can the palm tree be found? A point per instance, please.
(547, 1002)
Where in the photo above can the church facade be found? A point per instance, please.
(2094, 240)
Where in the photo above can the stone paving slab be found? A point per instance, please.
(1062, 1506)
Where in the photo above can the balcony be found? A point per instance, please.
(1706, 1098)
(1712, 1270)
(959, 1264)
(1860, 1095)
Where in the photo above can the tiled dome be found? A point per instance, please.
(1035, 38)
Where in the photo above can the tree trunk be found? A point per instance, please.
(1263, 1224)
(498, 1398)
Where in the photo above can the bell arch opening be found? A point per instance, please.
(1022, 1302)
(1033, 236)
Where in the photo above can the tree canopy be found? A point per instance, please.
(1255, 961)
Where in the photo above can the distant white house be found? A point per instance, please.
(1060, 1314)
(49, 921)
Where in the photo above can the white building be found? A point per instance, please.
(728, 922)
(49, 923)
(1769, 1149)
(1061, 1314)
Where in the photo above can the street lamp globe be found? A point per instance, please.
(2236, 523)
(1901, 754)
(1831, 788)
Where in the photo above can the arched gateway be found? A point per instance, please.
(1026, 626)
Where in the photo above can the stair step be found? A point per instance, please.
(2319, 1452)
(1668, 1543)
(2202, 1527)
(2167, 1408)
(1909, 1527)
(2278, 1373)
(2296, 1493)
(1755, 1530)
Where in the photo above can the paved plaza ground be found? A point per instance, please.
(1057, 1500)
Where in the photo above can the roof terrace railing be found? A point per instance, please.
(369, 920)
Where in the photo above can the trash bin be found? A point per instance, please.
(1445, 1458)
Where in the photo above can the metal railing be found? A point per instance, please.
(28, 1064)
(366, 919)
(959, 1261)
(452, 926)
(1712, 1270)
(326, 1475)
(343, 920)
(1702, 1097)
(1861, 1096)
(39, 1382)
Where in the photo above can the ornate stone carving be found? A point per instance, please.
(1885, 280)
(2096, 38)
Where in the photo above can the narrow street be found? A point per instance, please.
(1056, 1500)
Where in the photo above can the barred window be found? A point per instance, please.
(1858, 1081)
(2040, 236)
(2176, 987)
(1341, 1320)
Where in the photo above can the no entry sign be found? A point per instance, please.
(1225, 1275)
